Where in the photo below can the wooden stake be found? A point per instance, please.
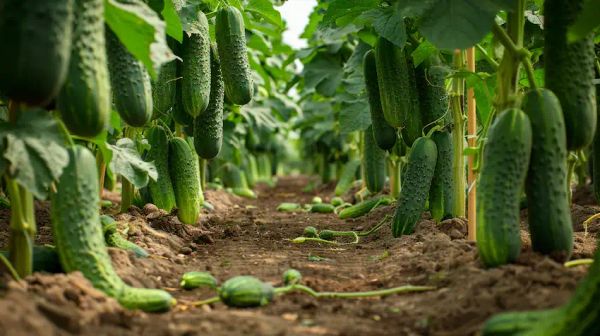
(472, 141)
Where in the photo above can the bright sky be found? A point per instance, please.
(295, 13)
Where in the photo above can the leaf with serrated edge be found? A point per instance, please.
(126, 161)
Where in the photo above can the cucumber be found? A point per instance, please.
(346, 177)
(364, 207)
(183, 169)
(208, 127)
(192, 280)
(246, 291)
(413, 127)
(130, 82)
(505, 161)
(78, 235)
(441, 193)
(113, 238)
(549, 213)
(327, 235)
(322, 208)
(35, 47)
(310, 232)
(569, 71)
(163, 88)
(177, 112)
(196, 68)
(45, 259)
(244, 192)
(373, 162)
(415, 186)
(434, 102)
(385, 135)
(231, 42)
(337, 201)
(397, 88)
(84, 100)
(161, 190)
(291, 277)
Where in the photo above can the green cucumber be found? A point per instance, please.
(245, 292)
(505, 162)
(196, 68)
(192, 280)
(208, 127)
(291, 277)
(385, 135)
(77, 229)
(130, 82)
(45, 259)
(346, 177)
(231, 42)
(35, 48)
(161, 190)
(569, 71)
(322, 208)
(373, 162)
(184, 172)
(415, 186)
(441, 193)
(434, 102)
(244, 192)
(113, 238)
(364, 207)
(549, 213)
(163, 88)
(310, 232)
(84, 100)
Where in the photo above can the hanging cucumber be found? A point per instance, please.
(415, 186)
(441, 193)
(196, 67)
(78, 235)
(208, 127)
(183, 168)
(346, 177)
(433, 98)
(231, 42)
(130, 82)
(35, 45)
(84, 100)
(373, 162)
(569, 71)
(505, 161)
(161, 190)
(549, 213)
(177, 112)
(163, 88)
(385, 135)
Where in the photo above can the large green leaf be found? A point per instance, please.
(388, 22)
(264, 9)
(343, 12)
(355, 116)
(125, 160)
(141, 30)
(324, 73)
(33, 150)
(586, 22)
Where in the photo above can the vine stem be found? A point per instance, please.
(352, 295)
(579, 262)
(491, 61)
(521, 53)
(207, 301)
(10, 268)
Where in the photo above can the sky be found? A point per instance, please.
(295, 13)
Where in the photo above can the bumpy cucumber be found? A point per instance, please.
(549, 213)
(441, 193)
(163, 88)
(192, 280)
(373, 162)
(433, 97)
(196, 68)
(177, 112)
(183, 168)
(385, 135)
(231, 42)
(84, 100)
(79, 239)
(505, 162)
(415, 186)
(246, 291)
(130, 82)
(322, 208)
(364, 207)
(161, 190)
(35, 48)
(569, 71)
(114, 239)
(208, 127)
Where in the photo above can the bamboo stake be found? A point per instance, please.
(472, 141)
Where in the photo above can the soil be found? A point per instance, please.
(249, 237)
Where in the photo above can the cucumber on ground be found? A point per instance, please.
(246, 291)
(183, 168)
(322, 208)
(161, 190)
(441, 193)
(130, 82)
(346, 177)
(194, 279)
(505, 162)
(84, 100)
(113, 237)
(208, 127)
(231, 42)
(549, 213)
(35, 45)
(196, 68)
(76, 228)
(373, 162)
(45, 259)
(385, 135)
(569, 71)
(415, 186)
(364, 207)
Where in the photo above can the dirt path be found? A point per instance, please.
(242, 237)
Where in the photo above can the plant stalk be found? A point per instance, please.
(458, 134)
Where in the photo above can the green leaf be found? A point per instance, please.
(33, 150)
(484, 85)
(586, 22)
(324, 73)
(355, 116)
(174, 27)
(264, 9)
(343, 12)
(388, 22)
(126, 161)
(422, 52)
(141, 30)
